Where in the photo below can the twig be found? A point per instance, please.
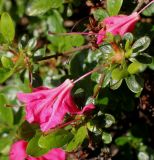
(140, 4)
(64, 54)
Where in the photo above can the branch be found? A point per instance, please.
(64, 54)
(140, 4)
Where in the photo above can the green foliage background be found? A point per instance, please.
(32, 56)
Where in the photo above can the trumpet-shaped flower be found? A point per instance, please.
(18, 152)
(117, 25)
(48, 107)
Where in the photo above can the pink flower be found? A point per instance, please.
(48, 107)
(18, 152)
(117, 25)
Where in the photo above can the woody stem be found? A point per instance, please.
(140, 4)
(66, 53)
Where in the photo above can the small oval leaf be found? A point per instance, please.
(141, 44)
(134, 83)
(114, 6)
(7, 27)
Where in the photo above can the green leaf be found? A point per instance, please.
(109, 120)
(6, 62)
(107, 138)
(151, 65)
(120, 141)
(136, 67)
(134, 83)
(55, 139)
(55, 24)
(6, 114)
(96, 77)
(149, 11)
(115, 84)
(100, 14)
(128, 37)
(118, 73)
(7, 73)
(31, 44)
(38, 7)
(7, 27)
(144, 58)
(4, 142)
(107, 79)
(106, 49)
(141, 44)
(33, 148)
(76, 40)
(114, 6)
(78, 139)
(144, 156)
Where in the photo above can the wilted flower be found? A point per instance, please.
(18, 152)
(49, 106)
(117, 25)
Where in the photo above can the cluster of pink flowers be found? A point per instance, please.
(18, 152)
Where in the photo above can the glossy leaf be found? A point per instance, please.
(55, 139)
(115, 84)
(33, 148)
(149, 11)
(141, 44)
(113, 6)
(134, 83)
(38, 7)
(109, 120)
(107, 138)
(100, 14)
(136, 67)
(78, 139)
(118, 74)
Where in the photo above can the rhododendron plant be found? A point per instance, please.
(49, 106)
(102, 83)
(18, 152)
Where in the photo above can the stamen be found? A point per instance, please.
(145, 7)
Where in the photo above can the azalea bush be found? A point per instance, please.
(76, 80)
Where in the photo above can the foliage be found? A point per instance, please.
(35, 50)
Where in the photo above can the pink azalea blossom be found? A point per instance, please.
(117, 25)
(18, 152)
(48, 107)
